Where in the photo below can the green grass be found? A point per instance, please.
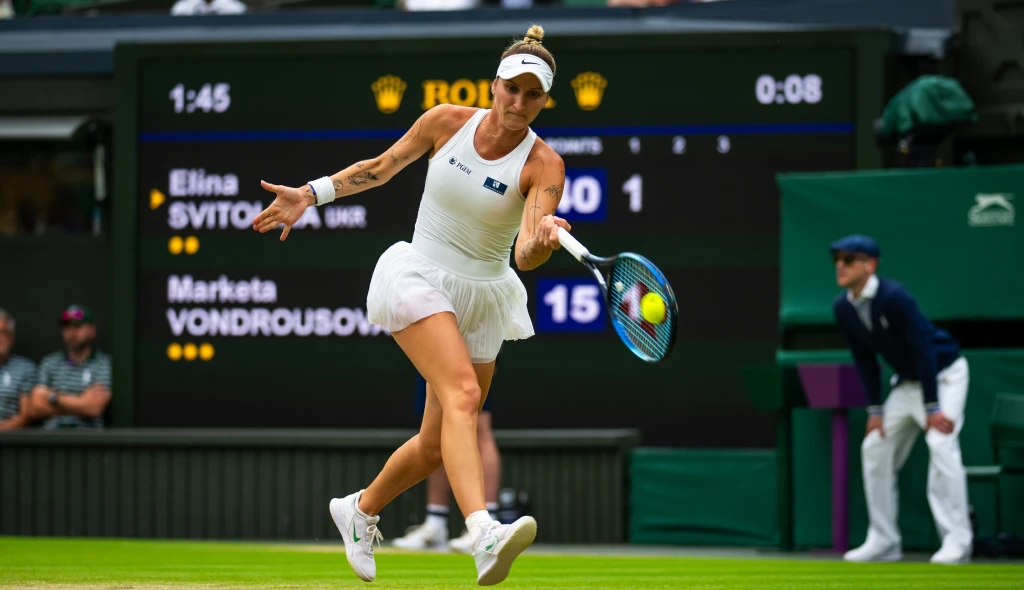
(144, 565)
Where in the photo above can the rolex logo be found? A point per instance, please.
(589, 88)
(387, 91)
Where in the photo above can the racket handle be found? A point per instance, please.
(571, 244)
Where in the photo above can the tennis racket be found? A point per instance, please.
(624, 280)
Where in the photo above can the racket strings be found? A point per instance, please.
(631, 279)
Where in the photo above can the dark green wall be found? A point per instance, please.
(256, 484)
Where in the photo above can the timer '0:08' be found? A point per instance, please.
(793, 89)
(209, 97)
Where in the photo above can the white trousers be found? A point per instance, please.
(882, 459)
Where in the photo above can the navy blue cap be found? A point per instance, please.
(856, 244)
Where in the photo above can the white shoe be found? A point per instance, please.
(498, 545)
(359, 532)
(423, 536)
(873, 552)
(462, 544)
(950, 555)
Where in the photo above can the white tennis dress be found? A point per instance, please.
(458, 260)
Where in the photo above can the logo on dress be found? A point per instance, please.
(452, 160)
(494, 185)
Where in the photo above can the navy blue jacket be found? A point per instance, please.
(914, 348)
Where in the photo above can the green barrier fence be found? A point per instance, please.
(951, 236)
(703, 497)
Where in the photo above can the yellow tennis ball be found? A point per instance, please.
(652, 308)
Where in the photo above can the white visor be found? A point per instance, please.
(524, 63)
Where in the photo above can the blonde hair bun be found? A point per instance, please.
(534, 35)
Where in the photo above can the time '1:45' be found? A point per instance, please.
(209, 97)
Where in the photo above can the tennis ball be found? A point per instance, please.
(652, 308)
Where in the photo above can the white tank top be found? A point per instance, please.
(471, 205)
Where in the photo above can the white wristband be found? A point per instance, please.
(323, 189)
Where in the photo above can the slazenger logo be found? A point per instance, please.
(991, 209)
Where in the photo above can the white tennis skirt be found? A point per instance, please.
(414, 281)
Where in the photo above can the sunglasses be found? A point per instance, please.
(847, 259)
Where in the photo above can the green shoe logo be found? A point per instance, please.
(488, 548)
(355, 537)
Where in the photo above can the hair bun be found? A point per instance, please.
(534, 35)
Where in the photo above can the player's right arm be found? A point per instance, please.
(290, 203)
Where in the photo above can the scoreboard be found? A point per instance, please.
(671, 144)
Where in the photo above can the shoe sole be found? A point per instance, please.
(335, 516)
(963, 561)
(434, 547)
(521, 538)
(883, 559)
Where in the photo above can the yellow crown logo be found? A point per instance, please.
(387, 91)
(589, 88)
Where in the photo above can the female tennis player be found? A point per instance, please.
(450, 298)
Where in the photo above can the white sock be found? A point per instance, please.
(492, 509)
(437, 516)
(359, 495)
(473, 522)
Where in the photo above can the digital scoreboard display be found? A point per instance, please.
(671, 144)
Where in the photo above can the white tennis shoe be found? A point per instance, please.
(359, 531)
(462, 544)
(423, 536)
(497, 546)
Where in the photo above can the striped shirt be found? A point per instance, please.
(63, 375)
(17, 378)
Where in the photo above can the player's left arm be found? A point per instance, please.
(538, 230)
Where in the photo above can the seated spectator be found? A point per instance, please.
(73, 387)
(195, 7)
(17, 377)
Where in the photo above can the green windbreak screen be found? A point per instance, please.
(951, 236)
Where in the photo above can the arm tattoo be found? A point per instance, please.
(535, 214)
(338, 185)
(405, 137)
(555, 191)
(362, 178)
(394, 160)
(307, 193)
